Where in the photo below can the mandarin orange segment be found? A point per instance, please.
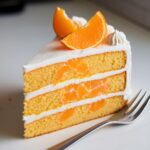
(95, 92)
(66, 115)
(77, 65)
(62, 24)
(88, 85)
(97, 105)
(82, 67)
(71, 87)
(95, 84)
(81, 91)
(92, 84)
(73, 62)
(90, 35)
(69, 96)
(61, 72)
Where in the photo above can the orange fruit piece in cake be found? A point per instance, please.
(82, 67)
(95, 92)
(97, 105)
(81, 90)
(69, 96)
(66, 114)
(61, 72)
(78, 65)
(73, 62)
(62, 24)
(89, 35)
(96, 83)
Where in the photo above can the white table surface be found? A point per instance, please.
(21, 36)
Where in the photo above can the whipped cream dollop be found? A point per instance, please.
(80, 21)
(117, 38)
(110, 29)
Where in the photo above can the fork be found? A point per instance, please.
(123, 117)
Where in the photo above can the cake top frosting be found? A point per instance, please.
(56, 51)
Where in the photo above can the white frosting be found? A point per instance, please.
(32, 118)
(49, 88)
(80, 21)
(117, 38)
(110, 29)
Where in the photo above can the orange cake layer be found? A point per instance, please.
(74, 116)
(74, 68)
(74, 93)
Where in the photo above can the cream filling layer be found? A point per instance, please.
(49, 88)
(31, 118)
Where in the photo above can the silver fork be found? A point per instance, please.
(126, 116)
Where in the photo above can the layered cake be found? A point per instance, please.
(83, 74)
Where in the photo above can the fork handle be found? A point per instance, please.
(66, 143)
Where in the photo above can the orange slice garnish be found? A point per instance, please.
(62, 24)
(88, 36)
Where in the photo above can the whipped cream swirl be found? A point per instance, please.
(110, 29)
(117, 38)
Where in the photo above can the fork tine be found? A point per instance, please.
(131, 109)
(139, 111)
(134, 98)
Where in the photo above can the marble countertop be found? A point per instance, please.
(22, 35)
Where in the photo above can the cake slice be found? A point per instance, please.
(66, 87)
